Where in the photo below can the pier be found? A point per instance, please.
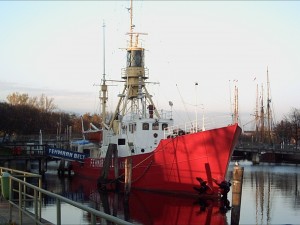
(16, 193)
(28, 153)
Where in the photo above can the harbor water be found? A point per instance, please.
(270, 195)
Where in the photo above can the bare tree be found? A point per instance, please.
(294, 117)
(43, 103)
(18, 99)
(288, 130)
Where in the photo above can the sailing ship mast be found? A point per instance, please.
(262, 116)
(135, 98)
(269, 113)
(256, 115)
(264, 120)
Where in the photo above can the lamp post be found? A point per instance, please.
(196, 111)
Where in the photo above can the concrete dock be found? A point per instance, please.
(5, 220)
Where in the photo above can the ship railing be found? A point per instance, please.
(124, 72)
(163, 115)
(23, 195)
(178, 130)
(197, 126)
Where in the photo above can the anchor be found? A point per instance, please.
(208, 195)
(204, 188)
(224, 187)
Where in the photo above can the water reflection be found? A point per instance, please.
(153, 208)
(270, 195)
(140, 208)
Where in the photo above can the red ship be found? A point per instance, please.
(141, 147)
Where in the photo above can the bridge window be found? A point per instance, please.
(145, 126)
(155, 126)
(164, 126)
(121, 141)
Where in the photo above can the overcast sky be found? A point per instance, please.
(56, 48)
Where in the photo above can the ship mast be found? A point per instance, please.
(103, 93)
(135, 99)
(256, 115)
(131, 23)
(236, 107)
(269, 113)
(262, 116)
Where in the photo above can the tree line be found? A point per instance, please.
(287, 131)
(25, 115)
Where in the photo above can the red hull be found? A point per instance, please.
(174, 165)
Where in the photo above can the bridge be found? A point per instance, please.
(261, 152)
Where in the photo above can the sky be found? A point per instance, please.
(56, 48)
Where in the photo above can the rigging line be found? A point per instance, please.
(144, 172)
(149, 165)
(174, 158)
(152, 153)
(184, 104)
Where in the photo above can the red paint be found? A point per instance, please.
(174, 165)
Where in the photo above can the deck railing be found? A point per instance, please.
(197, 125)
(21, 192)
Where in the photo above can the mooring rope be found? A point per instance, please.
(146, 169)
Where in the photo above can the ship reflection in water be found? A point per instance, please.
(271, 195)
(153, 208)
(141, 207)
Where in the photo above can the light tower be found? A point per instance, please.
(135, 99)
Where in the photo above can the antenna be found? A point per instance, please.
(131, 25)
(103, 26)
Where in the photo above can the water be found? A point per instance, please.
(270, 195)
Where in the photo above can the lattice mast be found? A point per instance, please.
(135, 98)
